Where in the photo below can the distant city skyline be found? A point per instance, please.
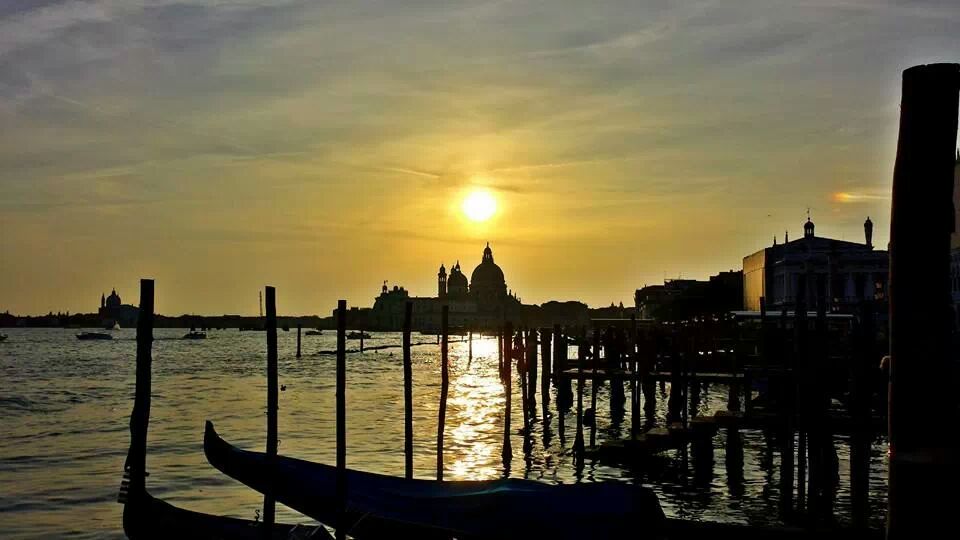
(322, 148)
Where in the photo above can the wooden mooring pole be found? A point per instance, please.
(506, 332)
(135, 468)
(924, 445)
(407, 393)
(531, 363)
(594, 384)
(269, 499)
(341, 477)
(578, 448)
(545, 357)
(299, 329)
(444, 385)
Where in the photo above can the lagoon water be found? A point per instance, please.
(65, 406)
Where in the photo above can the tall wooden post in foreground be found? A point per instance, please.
(444, 386)
(299, 329)
(136, 465)
(506, 331)
(923, 443)
(341, 478)
(269, 499)
(407, 394)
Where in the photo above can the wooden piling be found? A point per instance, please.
(531, 363)
(269, 498)
(789, 395)
(862, 389)
(341, 477)
(578, 448)
(545, 357)
(634, 364)
(470, 346)
(507, 452)
(135, 468)
(407, 393)
(594, 384)
(444, 385)
(520, 352)
(299, 329)
(923, 449)
(500, 333)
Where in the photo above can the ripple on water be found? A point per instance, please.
(66, 430)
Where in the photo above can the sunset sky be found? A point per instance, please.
(325, 146)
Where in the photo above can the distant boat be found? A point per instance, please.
(115, 326)
(313, 333)
(193, 334)
(93, 335)
(3, 337)
(358, 335)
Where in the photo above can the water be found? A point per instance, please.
(65, 405)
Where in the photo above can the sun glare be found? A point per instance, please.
(479, 205)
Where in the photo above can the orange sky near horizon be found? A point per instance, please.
(218, 147)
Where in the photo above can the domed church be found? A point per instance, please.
(487, 286)
(481, 302)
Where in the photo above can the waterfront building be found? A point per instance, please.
(841, 273)
(679, 299)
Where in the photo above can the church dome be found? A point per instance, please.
(457, 282)
(487, 281)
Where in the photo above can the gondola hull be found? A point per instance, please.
(510, 508)
(148, 518)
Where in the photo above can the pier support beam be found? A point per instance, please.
(922, 406)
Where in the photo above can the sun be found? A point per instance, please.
(479, 205)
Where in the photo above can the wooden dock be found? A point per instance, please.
(626, 374)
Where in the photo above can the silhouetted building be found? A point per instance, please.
(112, 309)
(679, 299)
(481, 302)
(842, 273)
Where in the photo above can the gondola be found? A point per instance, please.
(509, 508)
(147, 518)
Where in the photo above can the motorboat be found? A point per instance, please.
(358, 335)
(195, 334)
(313, 333)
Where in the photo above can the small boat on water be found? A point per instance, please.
(313, 333)
(358, 335)
(194, 334)
(506, 508)
(93, 335)
(114, 326)
(3, 337)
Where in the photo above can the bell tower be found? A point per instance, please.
(442, 282)
(808, 226)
